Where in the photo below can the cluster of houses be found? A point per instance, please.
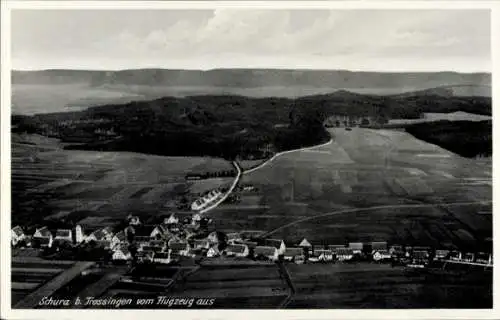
(206, 199)
(171, 240)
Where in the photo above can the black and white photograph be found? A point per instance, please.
(241, 157)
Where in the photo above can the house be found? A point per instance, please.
(171, 220)
(121, 254)
(196, 219)
(43, 237)
(266, 252)
(441, 254)
(381, 255)
(356, 247)
(213, 252)
(420, 256)
(201, 244)
(482, 257)
(143, 233)
(397, 250)
(158, 231)
(294, 254)
(468, 257)
(344, 254)
(237, 250)
(79, 235)
(17, 235)
(42, 232)
(233, 237)
(159, 245)
(180, 248)
(378, 245)
(118, 239)
(151, 249)
(277, 243)
(101, 234)
(64, 235)
(323, 255)
(305, 244)
(455, 255)
(105, 244)
(162, 257)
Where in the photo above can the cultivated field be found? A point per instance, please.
(415, 192)
(49, 182)
(235, 286)
(366, 285)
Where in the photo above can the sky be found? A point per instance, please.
(366, 40)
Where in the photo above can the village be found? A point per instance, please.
(173, 240)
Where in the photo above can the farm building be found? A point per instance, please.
(121, 254)
(17, 235)
(344, 254)
(356, 247)
(381, 255)
(237, 250)
(277, 243)
(294, 255)
(270, 253)
(201, 244)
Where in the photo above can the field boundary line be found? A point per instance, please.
(402, 206)
(263, 164)
(233, 185)
(288, 280)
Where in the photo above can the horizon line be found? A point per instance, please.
(248, 68)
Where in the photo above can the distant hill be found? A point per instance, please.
(254, 78)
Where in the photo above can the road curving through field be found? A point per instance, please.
(401, 206)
